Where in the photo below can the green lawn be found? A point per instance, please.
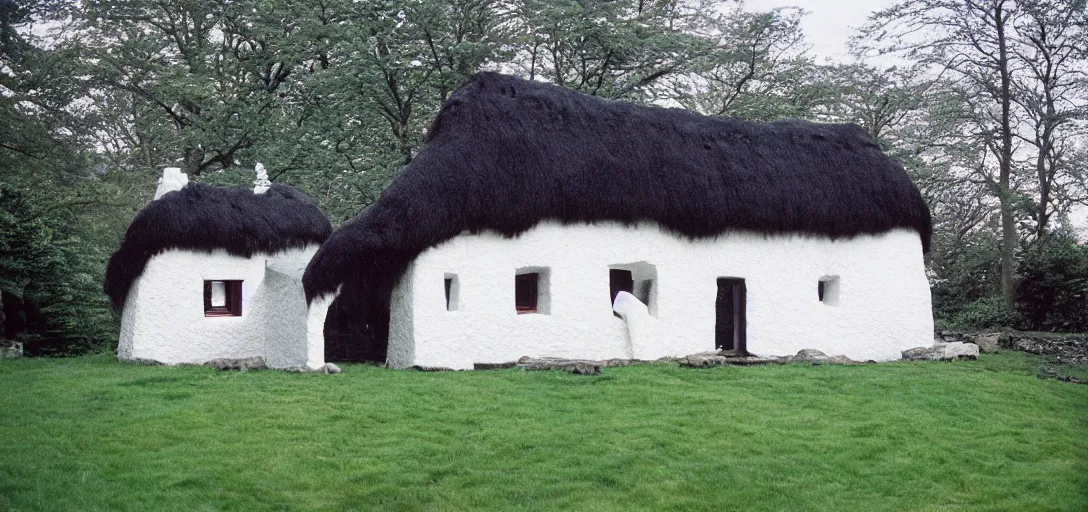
(92, 434)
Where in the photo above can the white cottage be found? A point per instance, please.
(208, 272)
(538, 221)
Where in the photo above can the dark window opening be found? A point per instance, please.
(730, 322)
(453, 292)
(222, 298)
(525, 292)
(828, 290)
(449, 284)
(620, 280)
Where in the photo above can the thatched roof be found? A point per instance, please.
(201, 217)
(504, 154)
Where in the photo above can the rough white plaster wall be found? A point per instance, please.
(401, 351)
(883, 307)
(164, 320)
(315, 330)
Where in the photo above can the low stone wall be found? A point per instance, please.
(1067, 349)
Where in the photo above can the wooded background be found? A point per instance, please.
(986, 106)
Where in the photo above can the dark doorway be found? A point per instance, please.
(729, 326)
(354, 334)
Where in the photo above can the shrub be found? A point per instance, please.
(986, 313)
(1053, 290)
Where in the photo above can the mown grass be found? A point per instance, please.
(92, 434)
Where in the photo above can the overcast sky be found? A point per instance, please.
(829, 23)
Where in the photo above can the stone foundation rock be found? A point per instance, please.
(242, 364)
(575, 366)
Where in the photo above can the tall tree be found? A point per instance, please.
(970, 40)
(1052, 91)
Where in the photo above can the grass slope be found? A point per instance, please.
(89, 433)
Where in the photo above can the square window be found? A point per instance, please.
(827, 290)
(223, 298)
(634, 278)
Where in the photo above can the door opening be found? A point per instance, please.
(729, 326)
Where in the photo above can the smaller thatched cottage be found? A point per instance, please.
(538, 221)
(208, 272)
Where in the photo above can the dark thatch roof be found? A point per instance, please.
(201, 217)
(504, 154)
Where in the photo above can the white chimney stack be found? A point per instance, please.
(172, 179)
(262, 183)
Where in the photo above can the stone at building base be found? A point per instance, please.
(493, 366)
(942, 351)
(712, 359)
(330, 369)
(809, 355)
(11, 350)
(575, 366)
(243, 364)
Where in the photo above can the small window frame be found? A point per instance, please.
(531, 282)
(232, 289)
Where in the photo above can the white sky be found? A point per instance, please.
(829, 23)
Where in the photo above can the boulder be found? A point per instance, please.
(987, 342)
(809, 355)
(960, 350)
(11, 350)
(242, 364)
(330, 369)
(922, 354)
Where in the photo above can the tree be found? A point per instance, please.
(1052, 44)
(756, 66)
(969, 40)
(614, 49)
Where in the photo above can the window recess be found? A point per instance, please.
(223, 298)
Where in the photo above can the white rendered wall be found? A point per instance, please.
(164, 320)
(883, 305)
